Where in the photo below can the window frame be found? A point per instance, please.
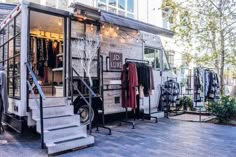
(117, 9)
(161, 55)
(6, 61)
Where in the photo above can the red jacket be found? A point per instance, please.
(129, 84)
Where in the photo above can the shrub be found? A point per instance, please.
(224, 110)
(186, 102)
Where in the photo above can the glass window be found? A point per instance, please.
(10, 55)
(17, 65)
(104, 1)
(153, 56)
(101, 6)
(130, 5)
(5, 34)
(112, 10)
(121, 4)
(166, 65)
(11, 29)
(1, 53)
(1, 38)
(5, 52)
(112, 2)
(10, 86)
(11, 48)
(17, 44)
(51, 3)
(18, 24)
(17, 87)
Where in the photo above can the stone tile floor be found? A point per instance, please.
(192, 117)
(168, 138)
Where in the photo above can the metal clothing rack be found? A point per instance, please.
(171, 92)
(149, 115)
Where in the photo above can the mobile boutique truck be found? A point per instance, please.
(48, 85)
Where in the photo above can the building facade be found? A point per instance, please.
(148, 11)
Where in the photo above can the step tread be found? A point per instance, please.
(64, 139)
(54, 117)
(60, 127)
(70, 144)
(59, 116)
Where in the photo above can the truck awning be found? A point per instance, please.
(134, 24)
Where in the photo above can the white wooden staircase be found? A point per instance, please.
(62, 128)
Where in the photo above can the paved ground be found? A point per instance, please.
(192, 117)
(168, 138)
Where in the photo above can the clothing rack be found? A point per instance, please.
(44, 37)
(171, 92)
(148, 116)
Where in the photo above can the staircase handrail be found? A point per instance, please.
(41, 98)
(35, 80)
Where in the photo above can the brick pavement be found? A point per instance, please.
(168, 138)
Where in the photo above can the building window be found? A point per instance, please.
(10, 55)
(112, 2)
(167, 19)
(102, 6)
(121, 4)
(120, 7)
(130, 5)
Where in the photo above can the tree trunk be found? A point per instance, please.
(222, 63)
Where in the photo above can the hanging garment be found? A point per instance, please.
(55, 53)
(144, 77)
(199, 85)
(206, 82)
(170, 93)
(40, 58)
(51, 61)
(129, 84)
(45, 78)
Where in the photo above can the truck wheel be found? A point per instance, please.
(83, 111)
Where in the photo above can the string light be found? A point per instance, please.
(125, 36)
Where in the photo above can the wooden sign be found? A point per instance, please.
(116, 61)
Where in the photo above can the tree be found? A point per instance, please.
(86, 49)
(207, 28)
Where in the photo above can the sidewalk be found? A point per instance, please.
(168, 138)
